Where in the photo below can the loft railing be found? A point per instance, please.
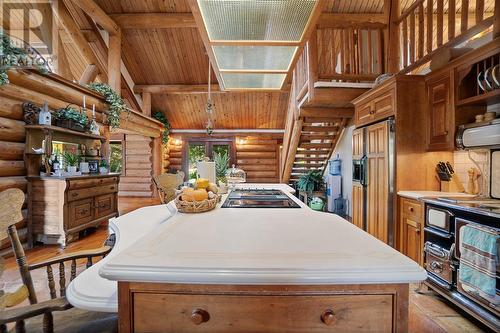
(428, 25)
(350, 54)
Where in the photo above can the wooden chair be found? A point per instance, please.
(167, 184)
(11, 202)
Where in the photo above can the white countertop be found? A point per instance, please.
(417, 195)
(239, 246)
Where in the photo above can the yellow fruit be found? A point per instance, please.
(212, 187)
(200, 195)
(202, 183)
(187, 194)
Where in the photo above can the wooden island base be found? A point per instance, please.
(163, 307)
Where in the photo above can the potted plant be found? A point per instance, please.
(310, 182)
(71, 161)
(71, 118)
(103, 167)
(221, 163)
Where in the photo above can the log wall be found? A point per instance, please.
(257, 155)
(136, 178)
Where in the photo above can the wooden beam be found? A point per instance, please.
(146, 104)
(174, 88)
(392, 11)
(98, 15)
(342, 21)
(66, 20)
(154, 20)
(89, 74)
(115, 62)
(314, 112)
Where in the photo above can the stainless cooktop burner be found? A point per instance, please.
(259, 198)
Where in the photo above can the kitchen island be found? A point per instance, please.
(258, 269)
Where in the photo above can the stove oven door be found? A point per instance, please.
(438, 263)
(439, 218)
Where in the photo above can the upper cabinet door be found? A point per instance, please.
(357, 143)
(441, 120)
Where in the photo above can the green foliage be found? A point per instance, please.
(193, 174)
(221, 163)
(196, 153)
(116, 103)
(12, 56)
(311, 181)
(71, 159)
(158, 115)
(115, 159)
(103, 163)
(71, 113)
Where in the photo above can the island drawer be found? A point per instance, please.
(155, 312)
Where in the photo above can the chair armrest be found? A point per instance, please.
(25, 312)
(102, 251)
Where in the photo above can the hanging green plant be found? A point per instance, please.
(116, 103)
(12, 56)
(158, 115)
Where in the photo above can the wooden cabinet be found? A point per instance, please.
(378, 181)
(411, 229)
(358, 199)
(378, 106)
(155, 307)
(441, 120)
(61, 207)
(357, 143)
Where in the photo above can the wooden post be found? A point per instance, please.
(98, 15)
(392, 11)
(496, 20)
(146, 104)
(157, 160)
(89, 74)
(114, 62)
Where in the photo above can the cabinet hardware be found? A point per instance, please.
(199, 316)
(328, 317)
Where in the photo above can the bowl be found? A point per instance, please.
(480, 81)
(495, 75)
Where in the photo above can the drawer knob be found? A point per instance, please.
(411, 209)
(199, 316)
(328, 317)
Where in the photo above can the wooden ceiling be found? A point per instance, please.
(178, 56)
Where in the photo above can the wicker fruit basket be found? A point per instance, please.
(196, 206)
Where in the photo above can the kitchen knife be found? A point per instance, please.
(450, 168)
(442, 174)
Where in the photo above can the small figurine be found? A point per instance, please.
(94, 127)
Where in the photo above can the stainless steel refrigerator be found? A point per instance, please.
(373, 180)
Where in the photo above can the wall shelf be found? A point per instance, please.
(66, 131)
(488, 98)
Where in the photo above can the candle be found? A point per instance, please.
(93, 110)
(84, 101)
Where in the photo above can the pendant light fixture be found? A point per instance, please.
(210, 107)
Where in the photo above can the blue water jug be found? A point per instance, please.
(336, 166)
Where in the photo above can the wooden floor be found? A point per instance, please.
(428, 312)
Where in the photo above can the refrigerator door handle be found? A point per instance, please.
(364, 171)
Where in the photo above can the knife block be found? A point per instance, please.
(454, 185)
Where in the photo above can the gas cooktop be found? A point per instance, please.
(259, 198)
(476, 204)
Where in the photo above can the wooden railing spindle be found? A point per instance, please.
(439, 22)
(430, 5)
(412, 37)
(62, 280)
(370, 51)
(480, 10)
(52, 285)
(421, 25)
(405, 42)
(464, 17)
(73, 269)
(20, 326)
(379, 51)
(451, 19)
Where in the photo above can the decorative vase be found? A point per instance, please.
(103, 170)
(71, 168)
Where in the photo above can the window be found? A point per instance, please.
(116, 156)
(197, 149)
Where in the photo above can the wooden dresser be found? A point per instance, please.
(59, 208)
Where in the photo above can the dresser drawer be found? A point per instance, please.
(91, 192)
(246, 313)
(80, 212)
(74, 184)
(412, 208)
